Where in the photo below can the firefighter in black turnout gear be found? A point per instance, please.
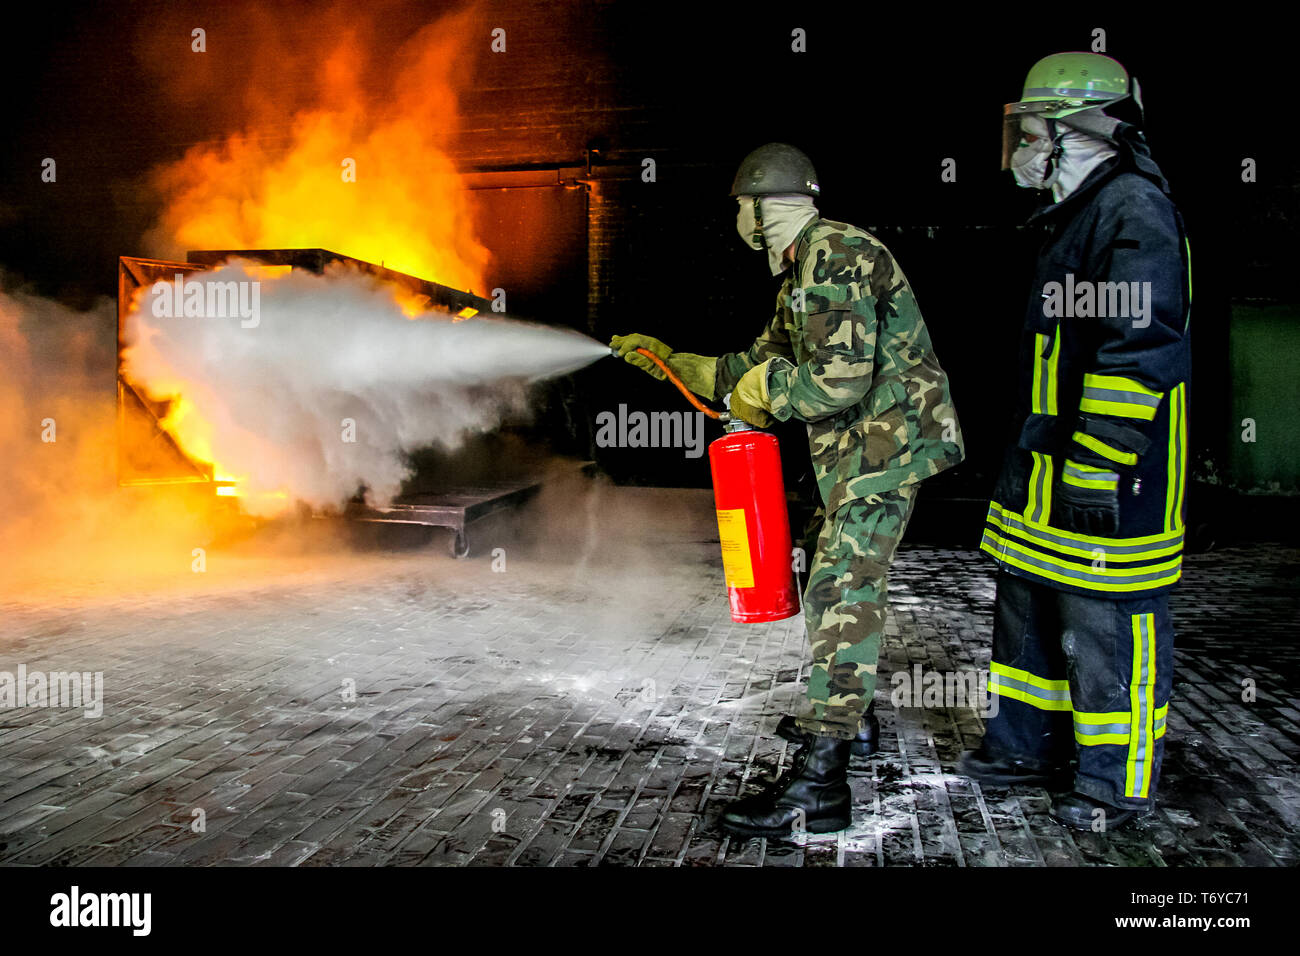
(1087, 517)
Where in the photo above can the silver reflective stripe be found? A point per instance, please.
(1070, 571)
(1044, 376)
(997, 680)
(1038, 535)
(1077, 472)
(1140, 711)
(1177, 425)
(1097, 730)
(1128, 398)
(1041, 478)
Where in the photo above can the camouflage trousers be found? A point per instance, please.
(844, 608)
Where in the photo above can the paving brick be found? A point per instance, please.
(507, 722)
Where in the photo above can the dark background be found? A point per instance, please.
(589, 90)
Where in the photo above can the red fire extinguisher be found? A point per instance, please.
(753, 524)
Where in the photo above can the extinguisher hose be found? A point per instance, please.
(690, 396)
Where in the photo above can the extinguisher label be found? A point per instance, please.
(737, 566)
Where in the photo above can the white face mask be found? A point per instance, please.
(1029, 162)
(1080, 155)
(784, 215)
(745, 223)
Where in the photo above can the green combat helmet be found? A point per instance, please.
(1072, 88)
(776, 168)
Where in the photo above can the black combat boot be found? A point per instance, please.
(812, 795)
(1001, 771)
(866, 743)
(1080, 812)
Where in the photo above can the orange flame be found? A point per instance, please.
(364, 170)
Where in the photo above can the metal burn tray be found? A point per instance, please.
(455, 509)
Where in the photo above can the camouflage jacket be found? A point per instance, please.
(852, 358)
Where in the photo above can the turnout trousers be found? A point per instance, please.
(1086, 677)
(844, 608)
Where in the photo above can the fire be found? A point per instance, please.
(364, 171)
(357, 164)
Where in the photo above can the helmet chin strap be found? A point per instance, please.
(1053, 168)
(758, 224)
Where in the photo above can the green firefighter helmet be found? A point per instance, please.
(776, 168)
(1062, 85)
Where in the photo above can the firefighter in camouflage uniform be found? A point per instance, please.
(848, 353)
(1086, 521)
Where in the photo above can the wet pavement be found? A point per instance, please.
(581, 697)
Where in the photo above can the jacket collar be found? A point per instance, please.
(1132, 155)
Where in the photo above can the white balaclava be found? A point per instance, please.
(784, 215)
(1080, 155)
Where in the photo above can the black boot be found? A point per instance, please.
(1080, 812)
(866, 743)
(812, 795)
(1000, 771)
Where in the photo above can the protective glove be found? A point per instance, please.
(749, 413)
(753, 387)
(697, 372)
(627, 346)
(1087, 500)
(749, 399)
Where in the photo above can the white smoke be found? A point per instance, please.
(330, 349)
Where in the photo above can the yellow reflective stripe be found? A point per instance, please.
(1106, 451)
(1046, 683)
(1176, 467)
(1114, 549)
(1102, 572)
(1149, 725)
(1141, 752)
(1009, 553)
(1099, 406)
(1102, 484)
(1027, 697)
(1043, 399)
(1134, 688)
(1093, 740)
(1036, 388)
(1120, 396)
(1182, 457)
(1040, 692)
(1114, 727)
(1038, 506)
(1163, 537)
(1119, 383)
(1086, 476)
(1089, 469)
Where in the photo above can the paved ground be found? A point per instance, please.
(589, 704)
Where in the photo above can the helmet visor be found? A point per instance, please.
(1012, 113)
